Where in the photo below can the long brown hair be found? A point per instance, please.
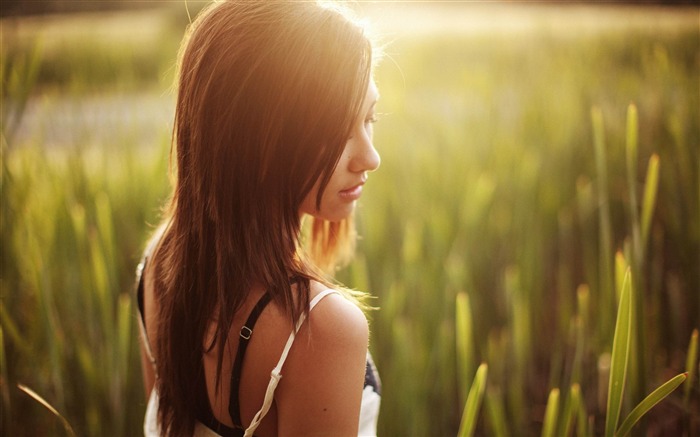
(267, 94)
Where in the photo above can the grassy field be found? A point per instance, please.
(528, 160)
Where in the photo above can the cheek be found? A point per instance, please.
(308, 206)
(331, 208)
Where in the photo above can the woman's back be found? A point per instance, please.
(321, 379)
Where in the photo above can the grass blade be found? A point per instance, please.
(550, 414)
(620, 356)
(648, 403)
(571, 410)
(603, 369)
(31, 393)
(631, 150)
(471, 408)
(605, 261)
(690, 366)
(650, 188)
(582, 425)
(522, 324)
(581, 324)
(631, 155)
(620, 270)
(496, 413)
(465, 344)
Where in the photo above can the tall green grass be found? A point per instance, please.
(73, 223)
(517, 188)
(523, 169)
(67, 274)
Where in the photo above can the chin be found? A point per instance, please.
(336, 214)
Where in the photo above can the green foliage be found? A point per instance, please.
(501, 185)
(571, 410)
(465, 343)
(690, 361)
(73, 223)
(654, 398)
(620, 355)
(550, 414)
(650, 189)
(493, 181)
(473, 404)
(620, 364)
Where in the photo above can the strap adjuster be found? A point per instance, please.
(246, 332)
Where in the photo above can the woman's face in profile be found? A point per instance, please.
(358, 158)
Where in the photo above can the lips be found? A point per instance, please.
(352, 193)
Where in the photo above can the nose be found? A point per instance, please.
(364, 156)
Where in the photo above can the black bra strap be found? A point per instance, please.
(139, 290)
(234, 409)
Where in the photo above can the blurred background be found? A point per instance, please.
(531, 154)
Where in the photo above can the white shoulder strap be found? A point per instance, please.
(146, 342)
(152, 243)
(275, 375)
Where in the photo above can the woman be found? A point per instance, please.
(273, 122)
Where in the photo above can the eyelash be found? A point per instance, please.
(369, 120)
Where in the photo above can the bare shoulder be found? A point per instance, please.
(321, 389)
(336, 318)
